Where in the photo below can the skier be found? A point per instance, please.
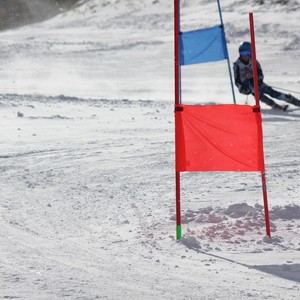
(243, 77)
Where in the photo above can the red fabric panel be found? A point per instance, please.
(225, 137)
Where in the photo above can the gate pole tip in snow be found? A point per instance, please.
(178, 209)
(178, 232)
(256, 89)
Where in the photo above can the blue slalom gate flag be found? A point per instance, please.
(204, 45)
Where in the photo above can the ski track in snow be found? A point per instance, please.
(87, 161)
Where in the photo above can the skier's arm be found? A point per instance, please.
(237, 79)
(260, 73)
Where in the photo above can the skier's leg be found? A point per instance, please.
(266, 89)
(291, 99)
(263, 98)
(270, 102)
(278, 95)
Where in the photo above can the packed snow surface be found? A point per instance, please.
(87, 183)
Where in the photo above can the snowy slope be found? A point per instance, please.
(87, 160)
(128, 46)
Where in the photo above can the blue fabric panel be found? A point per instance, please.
(204, 45)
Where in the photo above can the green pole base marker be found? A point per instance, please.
(178, 232)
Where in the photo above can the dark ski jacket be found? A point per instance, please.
(243, 74)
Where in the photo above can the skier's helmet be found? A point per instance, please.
(245, 49)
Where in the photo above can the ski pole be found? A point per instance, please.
(279, 88)
(246, 100)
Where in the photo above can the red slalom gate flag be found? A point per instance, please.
(226, 137)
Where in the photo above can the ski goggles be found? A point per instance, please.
(245, 53)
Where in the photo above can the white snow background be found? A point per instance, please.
(87, 193)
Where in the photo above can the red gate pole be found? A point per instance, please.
(254, 64)
(177, 101)
(256, 90)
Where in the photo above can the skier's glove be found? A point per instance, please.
(244, 90)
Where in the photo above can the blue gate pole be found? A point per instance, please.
(227, 55)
